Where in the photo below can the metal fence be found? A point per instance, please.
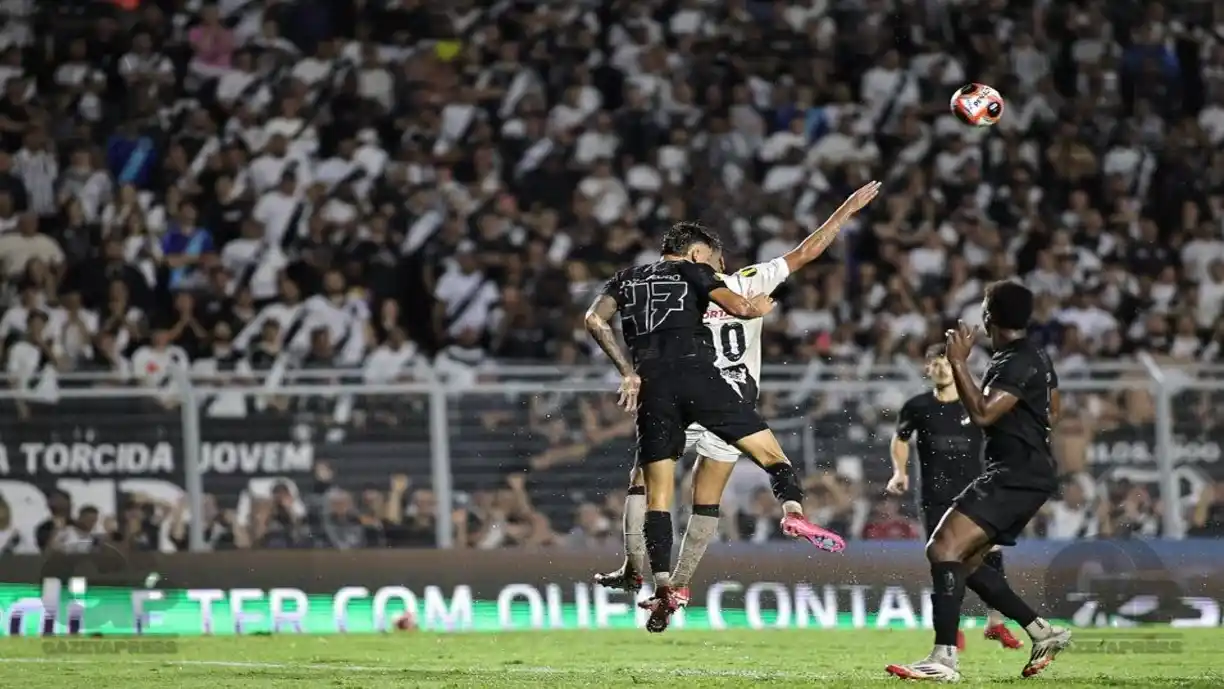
(550, 435)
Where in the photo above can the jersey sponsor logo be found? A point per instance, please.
(748, 272)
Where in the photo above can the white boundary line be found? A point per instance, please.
(513, 669)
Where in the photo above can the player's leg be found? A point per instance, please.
(932, 514)
(715, 462)
(763, 447)
(955, 540)
(1004, 512)
(660, 440)
(629, 577)
(996, 622)
(709, 480)
(729, 411)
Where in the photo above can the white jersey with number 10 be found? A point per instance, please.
(738, 342)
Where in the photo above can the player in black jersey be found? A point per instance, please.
(1015, 407)
(672, 382)
(949, 459)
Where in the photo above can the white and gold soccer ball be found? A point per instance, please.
(977, 105)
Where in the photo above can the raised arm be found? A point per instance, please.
(811, 248)
(983, 410)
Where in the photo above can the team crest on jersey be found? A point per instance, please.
(748, 272)
(965, 421)
(736, 377)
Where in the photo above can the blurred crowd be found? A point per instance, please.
(385, 189)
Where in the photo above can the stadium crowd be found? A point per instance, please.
(398, 188)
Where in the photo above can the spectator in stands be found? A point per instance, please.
(219, 531)
(758, 521)
(1207, 519)
(278, 521)
(11, 540)
(1132, 513)
(1075, 515)
(887, 523)
(34, 364)
(592, 529)
(139, 524)
(26, 246)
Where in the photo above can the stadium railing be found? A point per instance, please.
(469, 441)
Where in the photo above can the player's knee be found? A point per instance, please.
(941, 548)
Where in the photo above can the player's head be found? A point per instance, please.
(936, 366)
(691, 241)
(1007, 309)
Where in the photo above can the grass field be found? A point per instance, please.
(1143, 659)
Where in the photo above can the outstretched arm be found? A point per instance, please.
(598, 324)
(811, 248)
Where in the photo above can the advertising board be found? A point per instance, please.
(873, 584)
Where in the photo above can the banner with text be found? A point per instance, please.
(875, 584)
(96, 458)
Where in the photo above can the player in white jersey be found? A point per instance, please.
(738, 346)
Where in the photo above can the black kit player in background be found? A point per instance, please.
(1016, 408)
(672, 382)
(949, 459)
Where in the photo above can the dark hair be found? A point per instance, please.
(936, 351)
(683, 235)
(1010, 305)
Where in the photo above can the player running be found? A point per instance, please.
(738, 358)
(1016, 407)
(949, 458)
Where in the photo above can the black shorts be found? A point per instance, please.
(1002, 504)
(670, 401)
(932, 513)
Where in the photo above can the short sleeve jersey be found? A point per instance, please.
(738, 341)
(949, 446)
(1019, 441)
(662, 308)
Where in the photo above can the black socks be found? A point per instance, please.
(994, 560)
(991, 586)
(785, 482)
(658, 531)
(948, 593)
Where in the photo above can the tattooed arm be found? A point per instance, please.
(598, 325)
(811, 248)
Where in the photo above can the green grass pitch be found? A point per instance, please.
(1138, 658)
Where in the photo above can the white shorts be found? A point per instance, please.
(709, 445)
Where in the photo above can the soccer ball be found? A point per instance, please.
(406, 622)
(978, 105)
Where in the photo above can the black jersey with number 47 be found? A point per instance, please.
(949, 446)
(1019, 441)
(662, 306)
